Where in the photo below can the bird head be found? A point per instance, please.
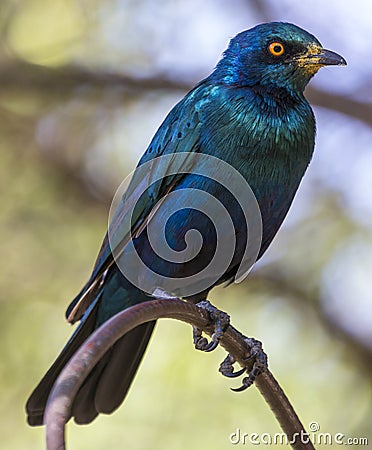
(277, 54)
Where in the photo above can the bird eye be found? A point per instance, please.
(276, 48)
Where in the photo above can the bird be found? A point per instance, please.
(252, 114)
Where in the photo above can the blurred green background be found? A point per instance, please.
(83, 87)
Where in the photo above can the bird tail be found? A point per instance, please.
(107, 385)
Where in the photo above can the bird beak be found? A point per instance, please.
(326, 58)
(317, 57)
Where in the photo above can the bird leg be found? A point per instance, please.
(220, 321)
(259, 365)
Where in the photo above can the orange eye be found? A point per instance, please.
(276, 48)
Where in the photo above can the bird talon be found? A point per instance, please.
(246, 383)
(259, 365)
(220, 320)
(211, 346)
(227, 368)
(200, 342)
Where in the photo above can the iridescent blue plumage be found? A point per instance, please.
(251, 113)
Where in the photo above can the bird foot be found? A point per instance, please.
(259, 365)
(220, 320)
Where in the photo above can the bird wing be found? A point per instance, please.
(179, 135)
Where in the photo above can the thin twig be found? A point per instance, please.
(68, 383)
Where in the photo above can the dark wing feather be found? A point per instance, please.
(179, 134)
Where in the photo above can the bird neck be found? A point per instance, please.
(269, 129)
(277, 100)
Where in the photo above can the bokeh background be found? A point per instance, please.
(83, 87)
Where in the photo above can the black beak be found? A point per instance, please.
(328, 58)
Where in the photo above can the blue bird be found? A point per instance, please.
(251, 114)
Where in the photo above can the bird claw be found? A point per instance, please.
(259, 365)
(220, 320)
(227, 368)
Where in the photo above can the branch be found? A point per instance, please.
(277, 281)
(71, 378)
(349, 106)
(19, 75)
